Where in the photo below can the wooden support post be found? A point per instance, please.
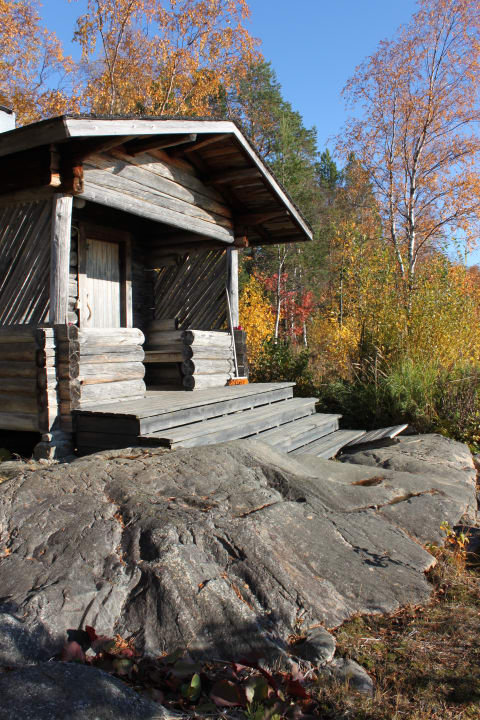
(60, 258)
(232, 283)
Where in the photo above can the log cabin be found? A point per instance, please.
(118, 262)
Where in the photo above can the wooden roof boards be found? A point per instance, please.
(218, 186)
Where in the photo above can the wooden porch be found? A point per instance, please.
(174, 418)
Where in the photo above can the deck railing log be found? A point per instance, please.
(193, 359)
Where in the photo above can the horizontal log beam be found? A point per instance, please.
(206, 143)
(230, 176)
(257, 218)
(158, 142)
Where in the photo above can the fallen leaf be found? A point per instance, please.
(226, 694)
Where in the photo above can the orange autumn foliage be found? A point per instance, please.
(35, 74)
(162, 58)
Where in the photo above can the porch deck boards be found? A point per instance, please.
(159, 400)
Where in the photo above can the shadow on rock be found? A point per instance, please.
(57, 690)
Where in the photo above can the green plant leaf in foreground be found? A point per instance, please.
(192, 691)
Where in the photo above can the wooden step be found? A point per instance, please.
(328, 446)
(300, 432)
(373, 436)
(237, 425)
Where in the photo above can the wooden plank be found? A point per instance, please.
(329, 446)
(18, 385)
(198, 382)
(24, 352)
(114, 372)
(207, 367)
(157, 185)
(204, 337)
(381, 434)
(24, 263)
(105, 336)
(60, 257)
(17, 334)
(137, 355)
(206, 143)
(180, 178)
(205, 352)
(231, 176)
(112, 390)
(16, 403)
(10, 369)
(19, 421)
(99, 372)
(121, 352)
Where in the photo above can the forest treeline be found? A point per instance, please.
(373, 316)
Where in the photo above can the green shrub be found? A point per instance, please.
(280, 361)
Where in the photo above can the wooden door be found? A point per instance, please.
(104, 278)
(102, 284)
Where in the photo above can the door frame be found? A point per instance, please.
(124, 241)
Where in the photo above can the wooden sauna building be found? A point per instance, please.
(118, 253)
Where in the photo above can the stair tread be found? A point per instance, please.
(299, 427)
(330, 444)
(380, 434)
(244, 419)
(292, 438)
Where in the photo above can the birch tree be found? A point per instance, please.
(417, 133)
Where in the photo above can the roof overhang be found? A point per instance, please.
(263, 209)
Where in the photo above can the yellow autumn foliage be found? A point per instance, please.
(364, 313)
(256, 317)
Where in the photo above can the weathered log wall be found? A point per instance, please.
(28, 382)
(193, 290)
(98, 365)
(25, 262)
(153, 187)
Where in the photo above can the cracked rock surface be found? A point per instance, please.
(225, 549)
